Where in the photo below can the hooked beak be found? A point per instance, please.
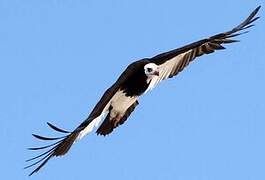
(156, 73)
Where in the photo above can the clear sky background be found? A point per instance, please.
(57, 57)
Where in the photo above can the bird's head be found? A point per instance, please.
(151, 70)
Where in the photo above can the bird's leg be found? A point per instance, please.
(117, 119)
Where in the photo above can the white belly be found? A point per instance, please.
(120, 102)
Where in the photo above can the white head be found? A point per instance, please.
(151, 70)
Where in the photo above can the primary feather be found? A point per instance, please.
(119, 101)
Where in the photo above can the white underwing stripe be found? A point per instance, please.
(90, 127)
(167, 69)
(95, 123)
(120, 102)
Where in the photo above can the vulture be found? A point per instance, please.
(120, 100)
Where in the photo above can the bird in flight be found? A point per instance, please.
(120, 100)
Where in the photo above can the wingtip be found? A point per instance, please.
(31, 173)
(28, 174)
(256, 10)
(57, 129)
(47, 138)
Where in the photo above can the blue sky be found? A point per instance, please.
(58, 56)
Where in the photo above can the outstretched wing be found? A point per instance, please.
(64, 143)
(59, 148)
(172, 62)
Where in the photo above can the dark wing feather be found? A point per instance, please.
(173, 62)
(58, 148)
(57, 129)
(130, 70)
(62, 146)
(109, 124)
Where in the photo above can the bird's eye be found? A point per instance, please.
(149, 69)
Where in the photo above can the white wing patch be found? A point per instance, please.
(95, 122)
(165, 70)
(120, 103)
(91, 126)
